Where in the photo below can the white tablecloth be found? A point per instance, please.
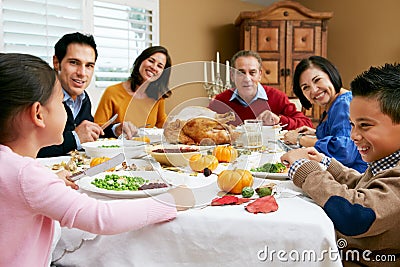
(214, 236)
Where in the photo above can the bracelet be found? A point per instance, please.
(300, 135)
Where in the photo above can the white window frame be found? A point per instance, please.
(151, 5)
(88, 21)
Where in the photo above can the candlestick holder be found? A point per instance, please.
(227, 85)
(216, 85)
(214, 88)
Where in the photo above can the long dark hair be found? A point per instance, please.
(25, 79)
(324, 65)
(158, 87)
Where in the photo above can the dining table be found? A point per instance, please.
(298, 233)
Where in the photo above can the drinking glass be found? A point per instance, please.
(252, 134)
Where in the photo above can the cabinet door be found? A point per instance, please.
(271, 46)
(282, 44)
(268, 39)
(303, 41)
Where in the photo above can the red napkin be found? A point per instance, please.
(264, 204)
(229, 200)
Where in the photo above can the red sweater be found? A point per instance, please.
(277, 102)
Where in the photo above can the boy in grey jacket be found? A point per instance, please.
(364, 208)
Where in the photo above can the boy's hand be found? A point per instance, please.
(64, 175)
(309, 153)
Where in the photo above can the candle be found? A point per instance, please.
(217, 63)
(227, 74)
(205, 72)
(212, 72)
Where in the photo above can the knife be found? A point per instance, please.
(113, 118)
(118, 159)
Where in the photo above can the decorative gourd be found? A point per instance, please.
(225, 153)
(142, 139)
(199, 162)
(99, 160)
(233, 181)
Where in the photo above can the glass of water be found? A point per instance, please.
(252, 134)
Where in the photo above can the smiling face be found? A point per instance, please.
(372, 131)
(247, 76)
(317, 87)
(152, 67)
(76, 69)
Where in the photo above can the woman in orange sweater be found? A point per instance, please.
(140, 99)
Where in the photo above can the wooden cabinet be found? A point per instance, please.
(284, 34)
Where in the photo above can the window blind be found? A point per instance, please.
(34, 26)
(122, 32)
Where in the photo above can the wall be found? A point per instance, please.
(361, 33)
(194, 31)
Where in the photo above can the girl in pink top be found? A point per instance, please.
(31, 196)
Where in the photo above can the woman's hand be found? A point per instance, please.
(306, 130)
(63, 175)
(291, 136)
(126, 128)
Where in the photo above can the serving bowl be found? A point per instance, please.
(111, 148)
(173, 155)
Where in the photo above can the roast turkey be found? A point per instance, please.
(202, 130)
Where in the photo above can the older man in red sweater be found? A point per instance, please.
(252, 100)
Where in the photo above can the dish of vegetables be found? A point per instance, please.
(271, 171)
(125, 184)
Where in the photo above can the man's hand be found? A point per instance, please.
(268, 118)
(127, 128)
(88, 131)
(63, 175)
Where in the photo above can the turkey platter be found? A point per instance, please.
(202, 130)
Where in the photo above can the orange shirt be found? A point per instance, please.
(116, 100)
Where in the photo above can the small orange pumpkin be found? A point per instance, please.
(233, 181)
(142, 139)
(199, 162)
(99, 160)
(225, 153)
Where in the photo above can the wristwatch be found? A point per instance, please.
(300, 135)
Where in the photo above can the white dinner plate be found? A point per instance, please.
(271, 175)
(49, 162)
(86, 184)
(154, 134)
(103, 148)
